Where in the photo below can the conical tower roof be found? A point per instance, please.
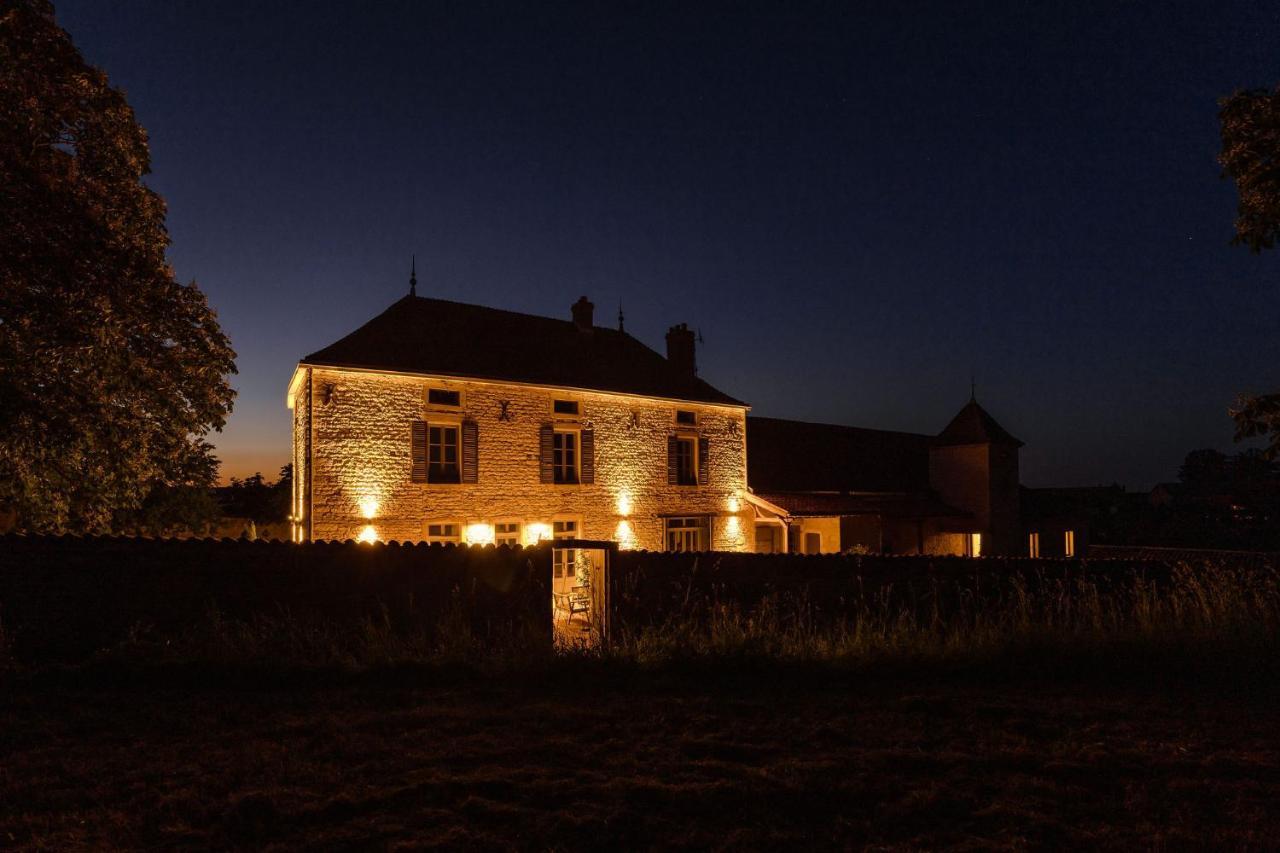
(974, 425)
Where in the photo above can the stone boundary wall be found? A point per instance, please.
(64, 598)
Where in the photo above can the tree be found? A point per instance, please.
(1250, 123)
(111, 372)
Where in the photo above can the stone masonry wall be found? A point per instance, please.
(360, 465)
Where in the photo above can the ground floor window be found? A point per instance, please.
(564, 561)
(1069, 543)
(813, 543)
(688, 533)
(975, 544)
(444, 532)
(1033, 545)
(506, 533)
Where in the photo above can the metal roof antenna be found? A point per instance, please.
(413, 275)
(621, 328)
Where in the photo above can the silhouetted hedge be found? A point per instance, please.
(63, 598)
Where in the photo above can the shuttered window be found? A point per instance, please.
(587, 462)
(470, 452)
(418, 452)
(444, 453)
(687, 460)
(546, 452)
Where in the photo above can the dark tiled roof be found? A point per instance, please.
(915, 505)
(974, 425)
(435, 336)
(794, 456)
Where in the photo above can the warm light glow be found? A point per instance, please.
(369, 507)
(368, 535)
(734, 504)
(536, 532)
(479, 534)
(624, 535)
(975, 544)
(624, 504)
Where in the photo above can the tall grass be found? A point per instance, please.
(1215, 614)
(1209, 612)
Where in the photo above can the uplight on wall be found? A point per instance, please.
(536, 532)
(734, 504)
(479, 534)
(624, 535)
(624, 504)
(369, 507)
(368, 536)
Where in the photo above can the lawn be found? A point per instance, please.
(582, 757)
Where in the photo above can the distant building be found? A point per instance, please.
(447, 422)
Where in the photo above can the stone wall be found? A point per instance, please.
(360, 462)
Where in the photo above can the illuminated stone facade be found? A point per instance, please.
(354, 454)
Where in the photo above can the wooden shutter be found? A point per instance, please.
(587, 473)
(704, 452)
(470, 452)
(418, 453)
(673, 472)
(546, 452)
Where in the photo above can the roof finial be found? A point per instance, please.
(620, 326)
(973, 388)
(413, 275)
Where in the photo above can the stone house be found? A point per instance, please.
(447, 422)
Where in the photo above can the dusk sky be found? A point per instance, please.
(859, 205)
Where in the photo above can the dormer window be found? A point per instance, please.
(565, 407)
(444, 398)
(684, 417)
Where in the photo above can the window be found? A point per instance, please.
(444, 532)
(564, 456)
(688, 534)
(564, 561)
(1069, 543)
(813, 543)
(975, 544)
(442, 454)
(506, 533)
(1033, 545)
(565, 407)
(686, 418)
(441, 397)
(686, 461)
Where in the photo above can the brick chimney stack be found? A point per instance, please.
(583, 313)
(680, 349)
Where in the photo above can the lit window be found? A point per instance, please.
(687, 534)
(687, 461)
(444, 532)
(1069, 543)
(565, 407)
(975, 544)
(442, 455)
(441, 397)
(564, 456)
(686, 418)
(506, 533)
(1033, 545)
(564, 561)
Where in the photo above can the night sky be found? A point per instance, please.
(858, 204)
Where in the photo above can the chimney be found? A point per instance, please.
(582, 314)
(680, 349)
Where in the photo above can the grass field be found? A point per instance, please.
(584, 758)
(1075, 713)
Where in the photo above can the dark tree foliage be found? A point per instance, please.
(111, 372)
(1250, 121)
(256, 499)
